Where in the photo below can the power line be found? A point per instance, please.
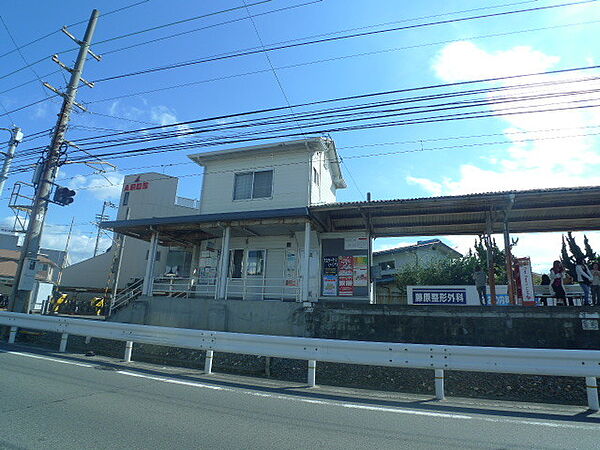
(72, 25)
(21, 54)
(288, 133)
(319, 35)
(207, 27)
(336, 38)
(362, 96)
(344, 115)
(336, 58)
(37, 102)
(417, 149)
(302, 64)
(353, 112)
(178, 22)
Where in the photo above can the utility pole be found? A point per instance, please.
(26, 271)
(64, 261)
(101, 218)
(16, 136)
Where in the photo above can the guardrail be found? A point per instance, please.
(576, 363)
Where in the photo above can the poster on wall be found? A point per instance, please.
(330, 285)
(291, 269)
(359, 271)
(330, 265)
(345, 276)
(356, 243)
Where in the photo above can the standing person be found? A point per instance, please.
(584, 278)
(557, 275)
(596, 284)
(545, 281)
(480, 279)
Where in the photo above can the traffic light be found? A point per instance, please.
(63, 196)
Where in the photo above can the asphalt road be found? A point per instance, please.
(50, 401)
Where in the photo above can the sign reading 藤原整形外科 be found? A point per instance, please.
(439, 296)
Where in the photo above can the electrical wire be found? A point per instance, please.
(72, 25)
(362, 96)
(360, 112)
(331, 39)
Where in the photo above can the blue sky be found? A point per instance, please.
(532, 42)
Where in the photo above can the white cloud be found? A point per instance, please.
(427, 184)
(81, 245)
(164, 115)
(461, 61)
(107, 186)
(543, 149)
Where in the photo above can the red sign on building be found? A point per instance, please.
(137, 185)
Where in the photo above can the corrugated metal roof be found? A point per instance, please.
(481, 195)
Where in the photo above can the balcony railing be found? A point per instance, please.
(187, 202)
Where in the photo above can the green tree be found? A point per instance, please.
(457, 271)
(590, 254)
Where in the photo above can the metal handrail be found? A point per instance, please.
(184, 286)
(262, 288)
(128, 294)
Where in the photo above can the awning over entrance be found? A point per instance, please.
(539, 210)
(191, 229)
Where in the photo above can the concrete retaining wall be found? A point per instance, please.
(551, 327)
(255, 317)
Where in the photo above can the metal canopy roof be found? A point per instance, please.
(539, 210)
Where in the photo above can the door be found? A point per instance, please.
(255, 274)
(274, 276)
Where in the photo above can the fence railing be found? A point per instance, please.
(258, 288)
(184, 287)
(576, 363)
(236, 288)
(187, 202)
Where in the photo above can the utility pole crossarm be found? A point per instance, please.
(26, 271)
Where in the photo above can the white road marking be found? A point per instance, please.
(366, 407)
(172, 381)
(62, 361)
(322, 402)
(406, 411)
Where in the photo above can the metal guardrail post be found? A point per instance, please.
(208, 360)
(13, 335)
(63, 343)
(128, 350)
(591, 384)
(439, 384)
(312, 373)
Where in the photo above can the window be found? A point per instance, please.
(387, 265)
(126, 198)
(315, 176)
(157, 257)
(253, 185)
(236, 258)
(256, 262)
(44, 267)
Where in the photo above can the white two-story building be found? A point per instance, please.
(250, 236)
